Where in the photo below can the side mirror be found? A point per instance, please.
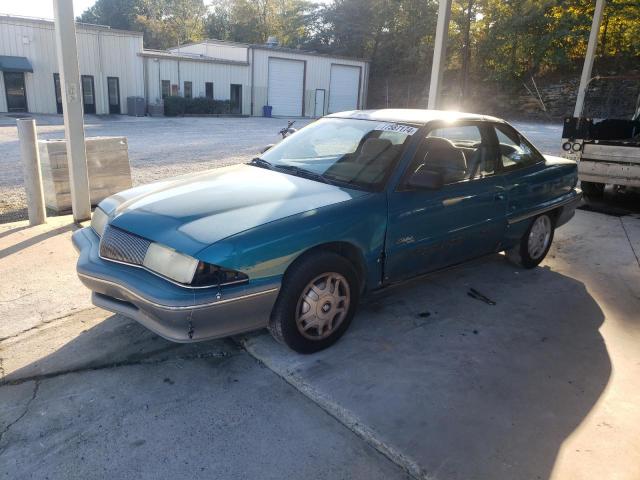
(426, 179)
(266, 148)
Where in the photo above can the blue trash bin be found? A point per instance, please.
(266, 111)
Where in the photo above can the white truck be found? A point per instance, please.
(607, 151)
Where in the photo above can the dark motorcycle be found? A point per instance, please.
(285, 132)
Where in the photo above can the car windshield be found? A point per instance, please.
(360, 153)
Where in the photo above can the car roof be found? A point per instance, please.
(411, 115)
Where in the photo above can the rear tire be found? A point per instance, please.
(317, 301)
(534, 244)
(592, 189)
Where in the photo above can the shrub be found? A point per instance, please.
(174, 106)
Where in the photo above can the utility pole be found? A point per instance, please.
(590, 56)
(439, 52)
(67, 50)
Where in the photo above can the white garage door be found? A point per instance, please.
(343, 90)
(286, 78)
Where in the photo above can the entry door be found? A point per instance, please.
(15, 91)
(88, 94)
(319, 111)
(113, 92)
(466, 218)
(236, 99)
(58, 91)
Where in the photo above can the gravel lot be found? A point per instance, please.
(165, 147)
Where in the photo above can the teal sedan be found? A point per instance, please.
(292, 240)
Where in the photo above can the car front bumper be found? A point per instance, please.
(176, 313)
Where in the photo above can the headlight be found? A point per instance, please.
(576, 147)
(207, 274)
(99, 221)
(566, 146)
(169, 263)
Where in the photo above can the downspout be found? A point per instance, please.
(101, 76)
(145, 79)
(252, 69)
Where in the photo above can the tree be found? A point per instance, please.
(114, 13)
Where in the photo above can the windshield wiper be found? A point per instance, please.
(301, 172)
(259, 162)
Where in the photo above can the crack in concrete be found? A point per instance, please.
(124, 363)
(36, 386)
(44, 323)
(629, 240)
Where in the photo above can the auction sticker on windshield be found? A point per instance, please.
(396, 127)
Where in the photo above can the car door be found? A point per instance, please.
(528, 183)
(432, 228)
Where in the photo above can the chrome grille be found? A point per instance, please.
(123, 246)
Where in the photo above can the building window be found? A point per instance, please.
(58, 91)
(166, 86)
(174, 89)
(187, 90)
(208, 89)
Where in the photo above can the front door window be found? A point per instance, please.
(113, 92)
(16, 91)
(88, 94)
(58, 91)
(236, 99)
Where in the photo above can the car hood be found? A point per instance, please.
(190, 213)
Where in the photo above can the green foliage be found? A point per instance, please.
(507, 41)
(175, 106)
(253, 21)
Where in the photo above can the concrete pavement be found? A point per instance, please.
(428, 382)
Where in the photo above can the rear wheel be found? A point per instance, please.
(317, 301)
(592, 189)
(534, 244)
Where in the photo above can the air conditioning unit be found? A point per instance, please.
(135, 106)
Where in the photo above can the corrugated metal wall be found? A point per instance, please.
(318, 76)
(227, 51)
(198, 73)
(101, 53)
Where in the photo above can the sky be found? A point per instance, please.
(39, 8)
(44, 8)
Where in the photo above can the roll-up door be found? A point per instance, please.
(344, 88)
(286, 84)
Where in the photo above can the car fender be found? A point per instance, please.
(265, 252)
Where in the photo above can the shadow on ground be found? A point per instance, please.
(461, 388)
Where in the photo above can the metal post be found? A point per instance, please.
(31, 168)
(439, 52)
(590, 56)
(72, 100)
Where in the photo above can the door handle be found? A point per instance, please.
(499, 197)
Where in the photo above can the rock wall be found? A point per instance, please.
(554, 98)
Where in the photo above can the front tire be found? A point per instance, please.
(534, 244)
(317, 302)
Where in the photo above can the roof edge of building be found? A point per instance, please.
(87, 26)
(168, 55)
(258, 46)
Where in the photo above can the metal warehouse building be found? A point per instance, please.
(114, 66)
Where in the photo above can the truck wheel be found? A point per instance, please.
(534, 244)
(316, 304)
(592, 189)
